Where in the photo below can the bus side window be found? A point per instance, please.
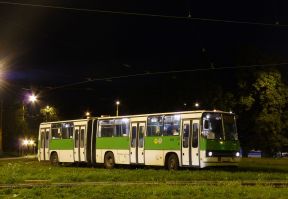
(155, 126)
(56, 134)
(171, 125)
(106, 128)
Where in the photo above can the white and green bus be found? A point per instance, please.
(175, 139)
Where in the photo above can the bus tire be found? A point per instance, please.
(109, 161)
(172, 162)
(54, 159)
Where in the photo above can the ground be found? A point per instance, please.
(255, 178)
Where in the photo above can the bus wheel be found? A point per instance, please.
(54, 159)
(109, 160)
(172, 162)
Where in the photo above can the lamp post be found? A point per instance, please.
(87, 114)
(47, 109)
(3, 68)
(31, 99)
(1, 126)
(117, 107)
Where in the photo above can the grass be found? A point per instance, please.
(143, 191)
(256, 170)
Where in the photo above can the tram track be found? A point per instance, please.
(45, 184)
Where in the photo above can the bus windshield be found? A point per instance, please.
(219, 126)
(229, 127)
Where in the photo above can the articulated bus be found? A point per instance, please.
(175, 139)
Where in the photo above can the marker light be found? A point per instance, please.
(210, 153)
(237, 154)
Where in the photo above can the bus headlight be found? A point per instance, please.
(237, 154)
(210, 153)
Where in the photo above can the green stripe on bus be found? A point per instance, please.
(112, 143)
(206, 144)
(162, 143)
(61, 144)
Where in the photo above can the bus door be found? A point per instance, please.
(44, 149)
(79, 143)
(186, 140)
(190, 143)
(195, 143)
(137, 143)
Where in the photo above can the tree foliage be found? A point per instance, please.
(49, 114)
(263, 108)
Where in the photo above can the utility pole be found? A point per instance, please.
(117, 107)
(1, 126)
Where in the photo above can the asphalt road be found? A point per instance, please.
(19, 158)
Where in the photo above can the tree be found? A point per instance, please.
(49, 113)
(263, 109)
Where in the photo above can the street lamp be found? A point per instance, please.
(1, 126)
(27, 145)
(197, 105)
(87, 114)
(117, 107)
(31, 99)
(185, 106)
(2, 85)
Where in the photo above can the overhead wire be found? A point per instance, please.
(168, 72)
(277, 24)
(102, 11)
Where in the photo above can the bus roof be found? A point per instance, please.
(75, 120)
(139, 115)
(165, 113)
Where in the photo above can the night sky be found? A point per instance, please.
(45, 48)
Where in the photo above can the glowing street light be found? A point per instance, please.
(47, 110)
(27, 145)
(87, 114)
(31, 142)
(117, 107)
(25, 142)
(32, 98)
(2, 85)
(197, 105)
